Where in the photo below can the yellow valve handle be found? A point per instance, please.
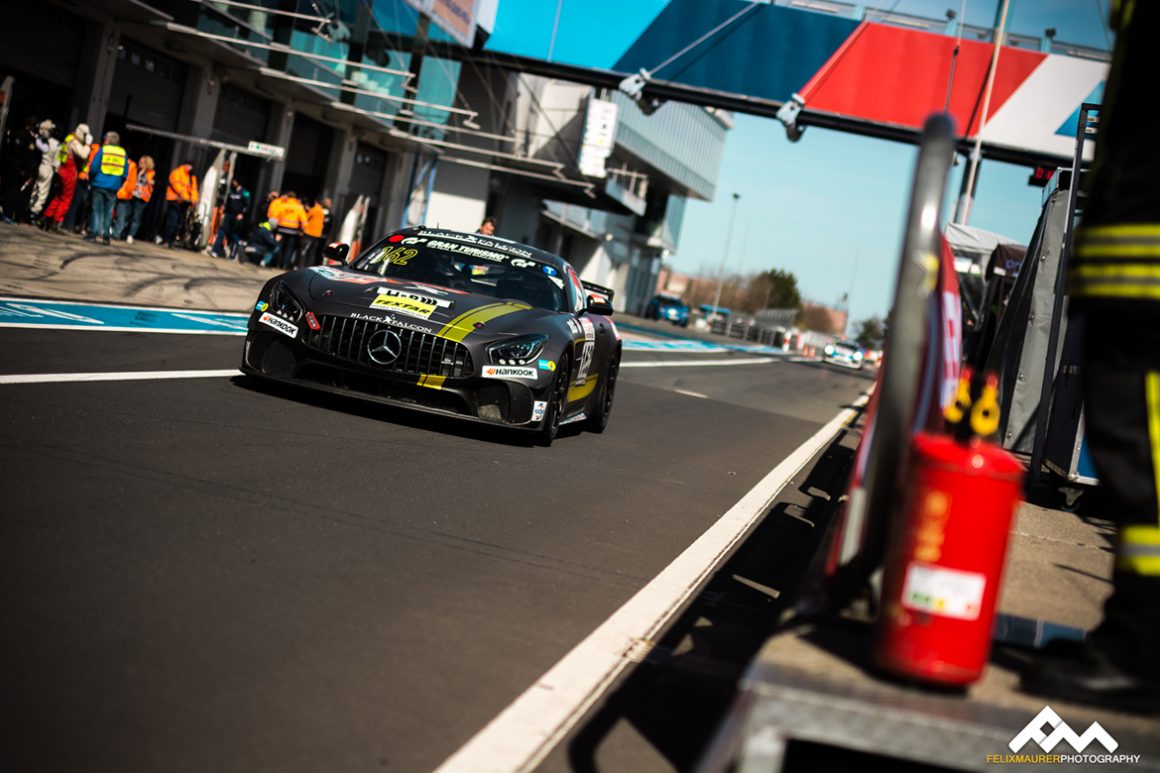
(985, 411)
(958, 407)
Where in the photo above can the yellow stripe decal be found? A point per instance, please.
(463, 325)
(580, 392)
(461, 319)
(432, 382)
(1152, 401)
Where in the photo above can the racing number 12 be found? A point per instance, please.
(585, 363)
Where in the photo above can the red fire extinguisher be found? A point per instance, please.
(945, 562)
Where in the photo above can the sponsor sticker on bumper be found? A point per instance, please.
(539, 408)
(279, 324)
(509, 372)
(408, 306)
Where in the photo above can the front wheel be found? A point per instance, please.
(557, 401)
(598, 421)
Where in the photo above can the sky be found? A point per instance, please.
(830, 207)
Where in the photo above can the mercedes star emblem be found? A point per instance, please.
(384, 347)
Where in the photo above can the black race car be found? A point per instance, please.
(463, 324)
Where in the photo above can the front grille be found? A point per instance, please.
(423, 354)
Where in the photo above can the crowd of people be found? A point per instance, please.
(94, 189)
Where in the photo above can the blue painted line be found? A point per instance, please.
(690, 344)
(57, 315)
(671, 346)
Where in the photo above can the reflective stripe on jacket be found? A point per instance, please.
(109, 169)
(113, 160)
(1117, 262)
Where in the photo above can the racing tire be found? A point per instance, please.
(557, 401)
(598, 421)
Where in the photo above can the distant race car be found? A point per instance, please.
(472, 326)
(668, 307)
(846, 353)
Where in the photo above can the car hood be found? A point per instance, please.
(437, 309)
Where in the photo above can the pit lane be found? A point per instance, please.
(201, 574)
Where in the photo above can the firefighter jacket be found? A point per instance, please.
(1117, 262)
(109, 168)
(182, 185)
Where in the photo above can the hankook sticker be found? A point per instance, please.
(279, 324)
(509, 372)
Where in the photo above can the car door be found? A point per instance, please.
(593, 347)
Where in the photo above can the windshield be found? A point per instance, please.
(469, 263)
(671, 302)
(848, 345)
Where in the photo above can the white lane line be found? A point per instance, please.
(114, 329)
(523, 734)
(141, 375)
(222, 313)
(691, 393)
(697, 363)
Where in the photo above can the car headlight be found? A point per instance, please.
(857, 355)
(284, 303)
(829, 351)
(517, 351)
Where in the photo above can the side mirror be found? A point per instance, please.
(598, 305)
(336, 251)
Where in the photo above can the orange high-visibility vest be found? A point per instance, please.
(125, 192)
(144, 189)
(314, 219)
(89, 161)
(182, 186)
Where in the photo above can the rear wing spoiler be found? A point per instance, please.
(596, 289)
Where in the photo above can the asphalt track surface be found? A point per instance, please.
(202, 574)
